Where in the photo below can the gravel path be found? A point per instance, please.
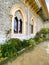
(38, 56)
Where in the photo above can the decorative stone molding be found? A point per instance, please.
(15, 8)
(11, 16)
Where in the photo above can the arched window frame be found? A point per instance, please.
(18, 7)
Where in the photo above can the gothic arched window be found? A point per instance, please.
(17, 25)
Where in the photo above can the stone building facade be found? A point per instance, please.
(27, 24)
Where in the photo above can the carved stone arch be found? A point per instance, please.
(15, 8)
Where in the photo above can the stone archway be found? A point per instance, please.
(18, 7)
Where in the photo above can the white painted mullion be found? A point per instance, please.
(18, 26)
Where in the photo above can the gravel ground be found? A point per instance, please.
(38, 56)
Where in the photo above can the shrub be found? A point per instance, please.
(32, 42)
(38, 35)
(45, 31)
(0, 54)
(41, 35)
(8, 50)
(12, 46)
(16, 42)
(40, 40)
(25, 43)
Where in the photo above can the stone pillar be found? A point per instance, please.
(34, 25)
(12, 23)
(24, 28)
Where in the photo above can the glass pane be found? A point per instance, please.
(20, 26)
(16, 25)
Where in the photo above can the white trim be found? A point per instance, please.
(22, 36)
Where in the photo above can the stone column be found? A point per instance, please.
(12, 23)
(34, 25)
(24, 28)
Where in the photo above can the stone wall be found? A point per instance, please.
(39, 24)
(6, 21)
(46, 24)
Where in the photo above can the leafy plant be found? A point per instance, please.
(32, 43)
(25, 43)
(14, 45)
(45, 31)
(8, 50)
(0, 54)
(16, 42)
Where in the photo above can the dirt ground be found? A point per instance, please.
(38, 56)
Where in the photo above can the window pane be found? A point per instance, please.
(16, 25)
(20, 26)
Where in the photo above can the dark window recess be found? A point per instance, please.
(31, 28)
(20, 31)
(17, 25)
